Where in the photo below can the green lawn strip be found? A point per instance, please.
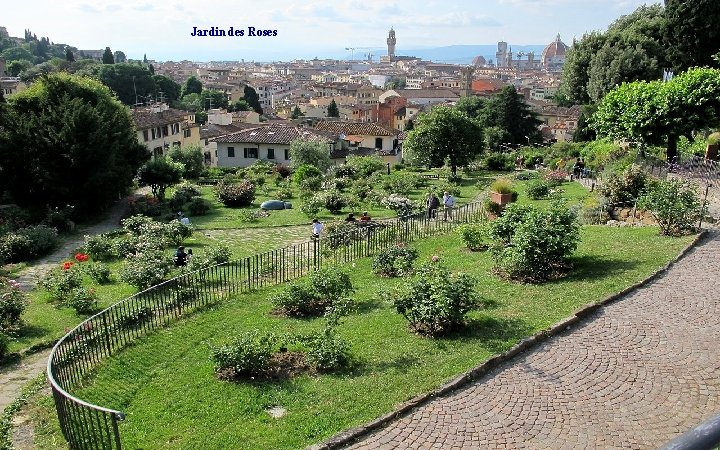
(165, 383)
(574, 192)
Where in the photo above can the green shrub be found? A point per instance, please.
(311, 185)
(624, 189)
(537, 189)
(135, 224)
(84, 301)
(434, 301)
(364, 166)
(98, 271)
(452, 189)
(28, 243)
(284, 193)
(334, 201)
(500, 161)
(475, 236)
(315, 294)
(4, 344)
(312, 205)
(524, 176)
(198, 206)
(394, 261)
(135, 318)
(12, 304)
(177, 232)
(403, 206)
(146, 269)
(532, 243)
(306, 171)
(235, 194)
(492, 208)
(185, 192)
(14, 248)
(246, 355)
(210, 256)
(60, 218)
(247, 216)
(674, 204)
(401, 183)
(326, 351)
(99, 247)
(61, 282)
(594, 212)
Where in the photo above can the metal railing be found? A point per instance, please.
(75, 356)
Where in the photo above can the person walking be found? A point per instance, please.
(449, 203)
(317, 228)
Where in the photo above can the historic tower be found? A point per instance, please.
(391, 44)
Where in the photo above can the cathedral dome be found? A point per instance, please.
(479, 61)
(554, 53)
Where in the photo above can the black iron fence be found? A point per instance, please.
(76, 355)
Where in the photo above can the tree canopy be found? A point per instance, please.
(253, 99)
(67, 140)
(192, 86)
(333, 110)
(443, 133)
(191, 157)
(169, 88)
(691, 32)
(107, 57)
(310, 152)
(132, 83)
(160, 173)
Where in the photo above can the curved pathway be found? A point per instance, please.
(634, 375)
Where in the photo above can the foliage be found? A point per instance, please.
(450, 189)
(83, 300)
(500, 161)
(211, 256)
(332, 110)
(403, 206)
(191, 86)
(532, 243)
(555, 178)
(311, 206)
(326, 351)
(691, 32)
(475, 236)
(443, 133)
(508, 113)
(624, 189)
(537, 189)
(314, 153)
(185, 192)
(13, 302)
(502, 186)
(191, 157)
(212, 98)
(435, 301)
(235, 194)
(315, 294)
(305, 171)
(394, 261)
(99, 246)
(364, 166)
(131, 82)
(594, 212)
(177, 231)
(169, 88)
(146, 269)
(252, 98)
(159, 174)
(334, 201)
(60, 282)
(247, 354)
(79, 145)
(198, 206)
(4, 344)
(674, 204)
(107, 57)
(492, 208)
(27, 243)
(98, 271)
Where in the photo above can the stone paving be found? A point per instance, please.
(636, 374)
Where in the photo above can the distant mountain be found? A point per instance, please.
(464, 54)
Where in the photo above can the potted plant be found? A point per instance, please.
(501, 191)
(713, 145)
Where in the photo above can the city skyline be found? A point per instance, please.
(314, 28)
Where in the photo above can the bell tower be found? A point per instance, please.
(391, 44)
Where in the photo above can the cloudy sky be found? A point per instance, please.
(309, 28)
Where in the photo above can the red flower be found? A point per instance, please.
(80, 257)
(67, 265)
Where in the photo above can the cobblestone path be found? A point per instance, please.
(641, 371)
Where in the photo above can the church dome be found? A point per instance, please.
(554, 49)
(479, 61)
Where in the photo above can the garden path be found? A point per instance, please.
(635, 374)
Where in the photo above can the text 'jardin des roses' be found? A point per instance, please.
(232, 31)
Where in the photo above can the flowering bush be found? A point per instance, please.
(537, 189)
(435, 301)
(198, 206)
(145, 205)
(475, 236)
(177, 231)
(98, 271)
(315, 294)
(211, 256)
(624, 189)
(146, 269)
(83, 300)
(394, 261)
(27, 243)
(674, 204)
(99, 247)
(555, 177)
(185, 192)
(81, 257)
(247, 354)
(235, 194)
(312, 205)
(334, 201)
(403, 206)
(61, 281)
(12, 304)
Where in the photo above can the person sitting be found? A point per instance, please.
(350, 218)
(364, 217)
(180, 257)
(185, 220)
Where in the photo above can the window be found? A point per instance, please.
(271, 153)
(250, 152)
(145, 135)
(287, 154)
(231, 152)
(187, 133)
(152, 133)
(378, 142)
(165, 130)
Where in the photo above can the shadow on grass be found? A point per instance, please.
(495, 334)
(593, 268)
(33, 331)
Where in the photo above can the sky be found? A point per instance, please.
(304, 29)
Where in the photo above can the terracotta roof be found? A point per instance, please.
(356, 128)
(212, 130)
(271, 134)
(145, 119)
(555, 48)
(426, 93)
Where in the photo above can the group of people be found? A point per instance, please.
(578, 168)
(433, 204)
(317, 226)
(182, 257)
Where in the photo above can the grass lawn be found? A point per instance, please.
(166, 386)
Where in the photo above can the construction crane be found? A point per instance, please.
(352, 51)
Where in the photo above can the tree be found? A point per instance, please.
(443, 133)
(656, 112)
(119, 57)
(239, 105)
(471, 106)
(17, 54)
(584, 132)
(192, 86)
(69, 55)
(311, 152)
(509, 112)
(691, 32)
(169, 88)
(151, 69)
(191, 157)
(15, 68)
(212, 98)
(332, 110)
(132, 83)
(159, 174)
(253, 99)
(410, 125)
(107, 57)
(493, 137)
(296, 113)
(67, 140)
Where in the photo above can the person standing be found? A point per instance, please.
(433, 203)
(180, 257)
(449, 203)
(317, 228)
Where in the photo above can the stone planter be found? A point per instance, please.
(501, 199)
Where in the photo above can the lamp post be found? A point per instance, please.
(528, 138)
